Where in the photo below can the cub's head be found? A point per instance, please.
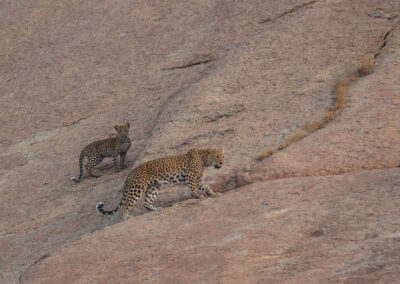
(213, 157)
(123, 132)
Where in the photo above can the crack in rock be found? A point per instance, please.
(237, 109)
(34, 263)
(74, 121)
(294, 9)
(207, 58)
(385, 40)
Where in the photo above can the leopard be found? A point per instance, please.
(148, 178)
(113, 147)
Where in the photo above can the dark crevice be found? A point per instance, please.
(72, 122)
(382, 45)
(386, 35)
(190, 64)
(392, 17)
(270, 20)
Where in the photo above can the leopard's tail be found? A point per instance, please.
(81, 158)
(99, 206)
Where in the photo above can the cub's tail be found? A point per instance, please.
(81, 158)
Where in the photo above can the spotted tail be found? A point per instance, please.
(81, 158)
(99, 206)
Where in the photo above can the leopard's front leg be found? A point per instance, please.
(122, 161)
(192, 185)
(204, 187)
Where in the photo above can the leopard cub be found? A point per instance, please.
(96, 151)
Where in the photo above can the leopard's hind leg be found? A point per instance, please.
(93, 161)
(132, 197)
(151, 195)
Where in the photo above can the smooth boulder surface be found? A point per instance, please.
(243, 76)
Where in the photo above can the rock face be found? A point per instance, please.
(243, 76)
(312, 229)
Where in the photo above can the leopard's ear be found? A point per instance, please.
(222, 151)
(127, 125)
(116, 128)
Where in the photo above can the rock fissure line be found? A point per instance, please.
(294, 9)
(190, 64)
(384, 42)
(46, 255)
(70, 123)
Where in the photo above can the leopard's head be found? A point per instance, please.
(213, 157)
(123, 132)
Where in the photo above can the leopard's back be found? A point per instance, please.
(163, 170)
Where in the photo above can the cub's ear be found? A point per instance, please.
(127, 125)
(222, 151)
(116, 128)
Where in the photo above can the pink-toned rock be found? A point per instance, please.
(299, 230)
(365, 135)
(240, 75)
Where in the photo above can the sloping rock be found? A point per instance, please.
(243, 76)
(365, 135)
(311, 230)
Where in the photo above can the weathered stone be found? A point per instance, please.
(239, 75)
(312, 229)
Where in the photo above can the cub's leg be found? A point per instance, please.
(93, 161)
(122, 161)
(132, 197)
(115, 162)
(151, 195)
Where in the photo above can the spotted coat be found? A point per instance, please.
(112, 147)
(148, 177)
